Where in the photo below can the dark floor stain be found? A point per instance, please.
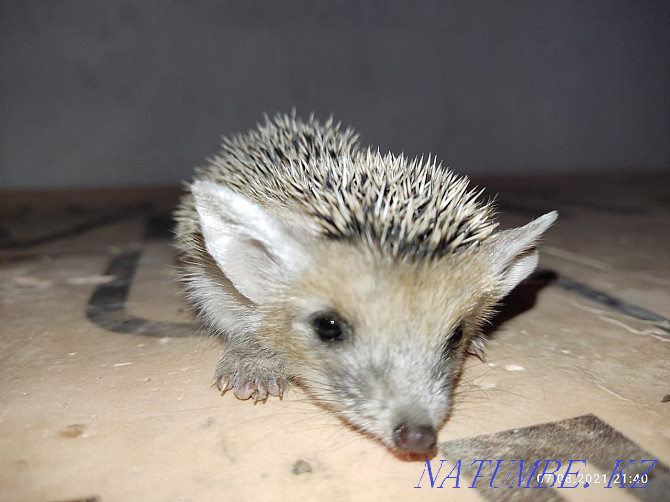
(107, 305)
(603, 298)
(584, 437)
(83, 499)
(210, 421)
(72, 431)
(301, 467)
(9, 241)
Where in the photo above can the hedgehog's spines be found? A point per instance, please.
(406, 209)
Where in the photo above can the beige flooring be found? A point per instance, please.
(578, 365)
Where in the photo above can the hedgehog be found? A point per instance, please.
(363, 278)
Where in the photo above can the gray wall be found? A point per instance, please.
(117, 93)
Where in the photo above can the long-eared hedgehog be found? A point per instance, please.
(364, 278)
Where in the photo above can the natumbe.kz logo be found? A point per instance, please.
(542, 473)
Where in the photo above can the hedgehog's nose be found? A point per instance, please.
(416, 438)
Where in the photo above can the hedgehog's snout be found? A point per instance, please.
(415, 438)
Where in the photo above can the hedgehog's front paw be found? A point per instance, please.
(249, 379)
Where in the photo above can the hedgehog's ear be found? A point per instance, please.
(513, 252)
(256, 250)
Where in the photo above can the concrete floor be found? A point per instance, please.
(105, 375)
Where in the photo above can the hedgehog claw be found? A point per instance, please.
(223, 384)
(261, 393)
(276, 387)
(257, 388)
(245, 391)
(249, 376)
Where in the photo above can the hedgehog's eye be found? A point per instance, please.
(454, 338)
(329, 326)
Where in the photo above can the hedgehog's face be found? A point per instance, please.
(381, 343)
(377, 340)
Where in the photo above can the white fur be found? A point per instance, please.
(513, 252)
(256, 251)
